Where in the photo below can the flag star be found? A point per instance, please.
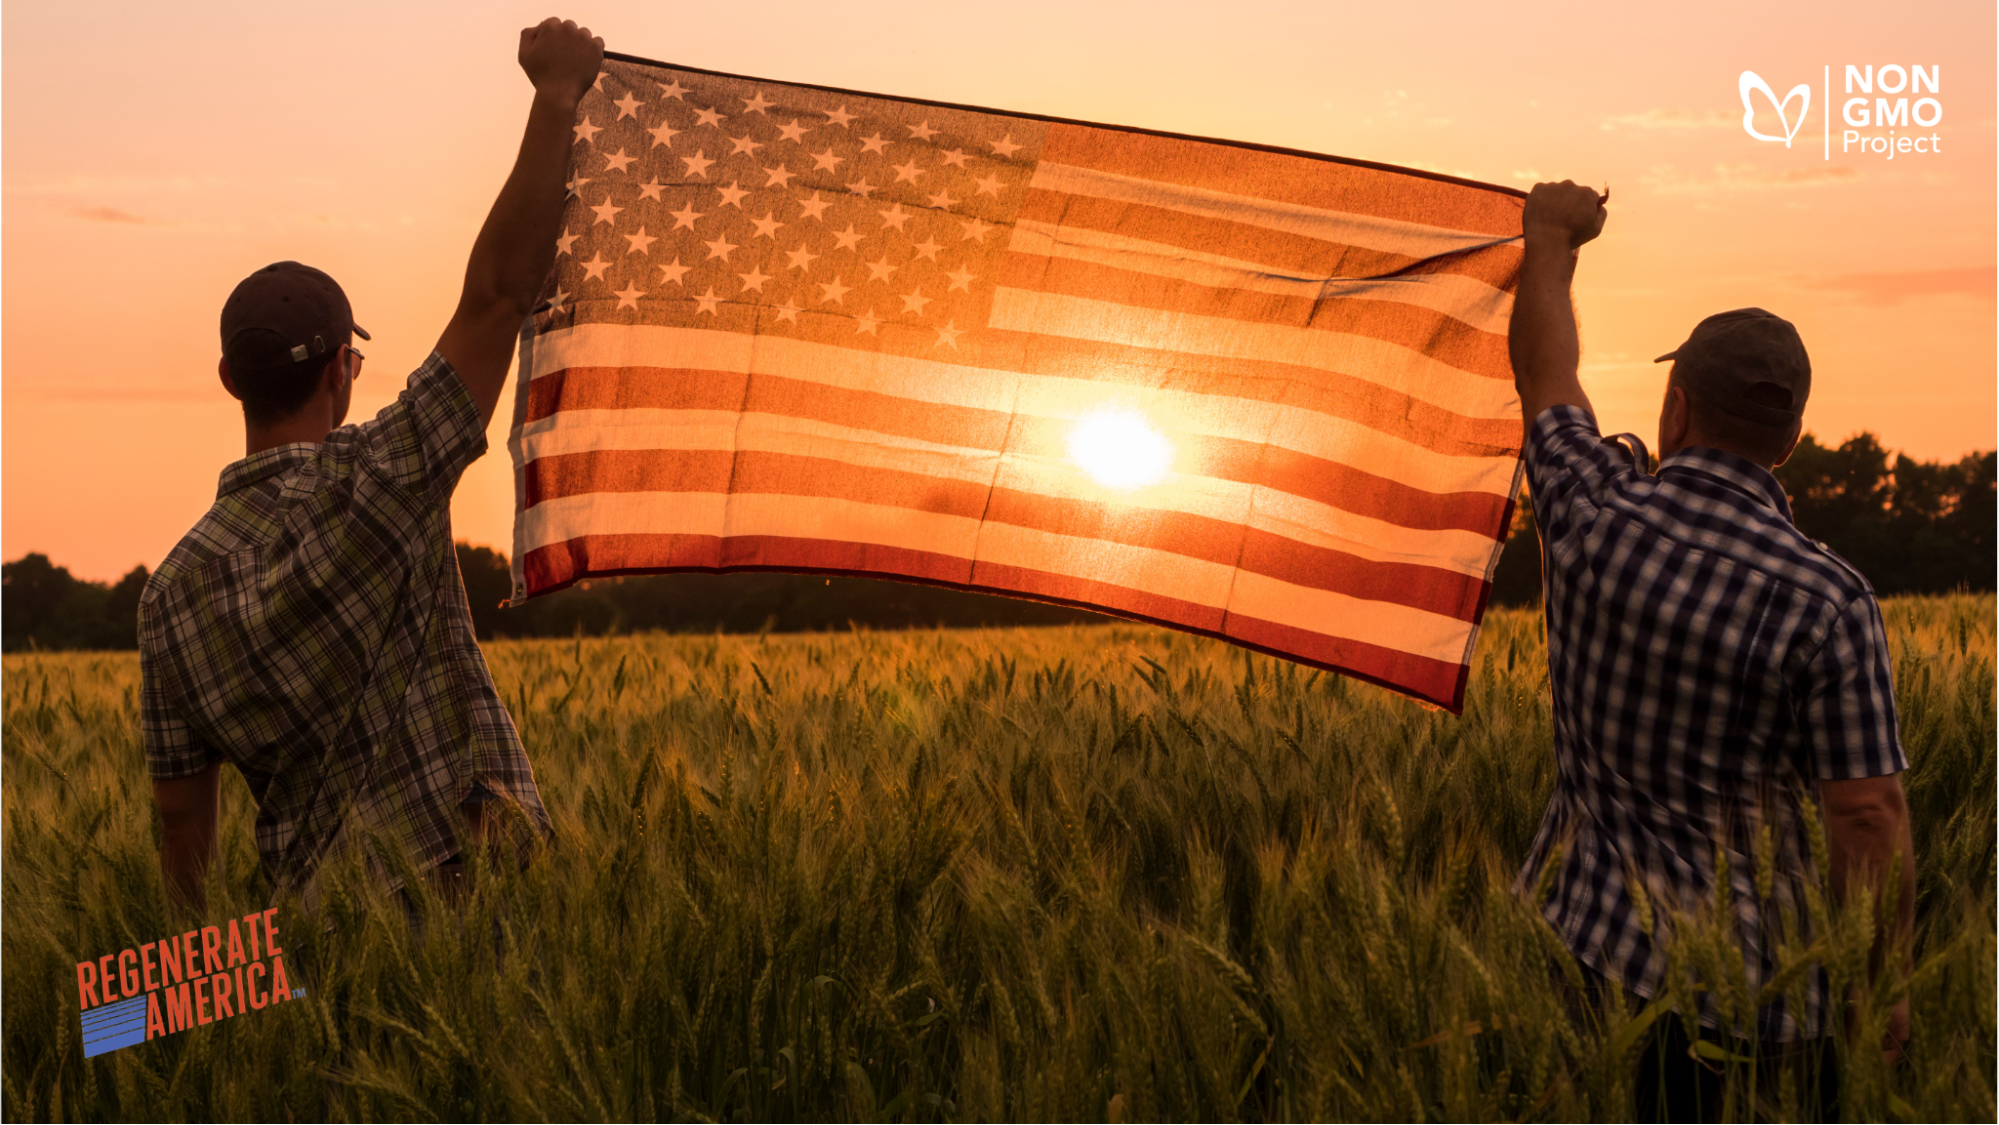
(720, 248)
(874, 144)
(663, 134)
(673, 272)
(780, 176)
(754, 279)
(605, 210)
(867, 322)
(961, 279)
(560, 299)
(793, 132)
(895, 216)
(949, 334)
(928, 249)
(640, 241)
(697, 165)
(576, 184)
(788, 311)
(650, 190)
(840, 117)
(672, 89)
(732, 196)
(827, 160)
(814, 205)
(756, 103)
(745, 145)
(683, 219)
(597, 83)
(914, 302)
(955, 156)
(1005, 146)
(942, 201)
(907, 172)
(564, 241)
(707, 302)
(832, 291)
(988, 185)
(976, 229)
(628, 106)
(767, 226)
(619, 162)
(922, 132)
(629, 296)
(586, 130)
(881, 269)
(595, 267)
(861, 188)
(708, 117)
(848, 239)
(801, 258)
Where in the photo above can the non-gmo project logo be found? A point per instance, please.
(1890, 110)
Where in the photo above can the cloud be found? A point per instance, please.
(1670, 120)
(103, 214)
(1892, 288)
(1667, 180)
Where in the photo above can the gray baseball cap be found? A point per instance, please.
(1731, 353)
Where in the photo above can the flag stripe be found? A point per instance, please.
(1391, 365)
(1422, 330)
(1389, 236)
(1295, 517)
(558, 564)
(802, 370)
(1466, 298)
(1209, 539)
(1280, 178)
(1164, 573)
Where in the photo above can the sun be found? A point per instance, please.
(1120, 450)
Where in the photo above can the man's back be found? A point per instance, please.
(312, 629)
(1708, 663)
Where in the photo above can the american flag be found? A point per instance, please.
(1256, 394)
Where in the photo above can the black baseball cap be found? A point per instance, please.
(285, 313)
(1732, 353)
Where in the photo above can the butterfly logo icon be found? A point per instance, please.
(1749, 81)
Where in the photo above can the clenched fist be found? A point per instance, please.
(1567, 214)
(560, 58)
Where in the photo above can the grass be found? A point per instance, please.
(1088, 873)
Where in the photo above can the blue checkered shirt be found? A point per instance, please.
(1708, 663)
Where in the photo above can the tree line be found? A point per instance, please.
(1910, 526)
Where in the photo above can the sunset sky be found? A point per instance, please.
(153, 155)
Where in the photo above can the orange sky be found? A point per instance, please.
(154, 155)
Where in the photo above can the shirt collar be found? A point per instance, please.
(260, 466)
(1734, 471)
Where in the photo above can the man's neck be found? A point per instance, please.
(308, 426)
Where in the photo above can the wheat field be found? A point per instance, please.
(1081, 873)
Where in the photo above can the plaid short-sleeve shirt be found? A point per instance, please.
(1708, 663)
(313, 630)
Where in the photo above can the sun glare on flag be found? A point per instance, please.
(1119, 449)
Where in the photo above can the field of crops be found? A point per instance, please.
(1079, 873)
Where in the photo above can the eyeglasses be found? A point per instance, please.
(358, 357)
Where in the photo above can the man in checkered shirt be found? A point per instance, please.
(312, 628)
(1709, 666)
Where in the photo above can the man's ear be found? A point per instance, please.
(228, 384)
(1674, 418)
(1793, 447)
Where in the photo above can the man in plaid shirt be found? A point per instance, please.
(312, 628)
(1709, 665)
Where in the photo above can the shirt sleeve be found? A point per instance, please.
(424, 440)
(1569, 466)
(1848, 714)
(171, 747)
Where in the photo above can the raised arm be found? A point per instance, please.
(514, 250)
(1541, 338)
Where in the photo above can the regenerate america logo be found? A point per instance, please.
(180, 982)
